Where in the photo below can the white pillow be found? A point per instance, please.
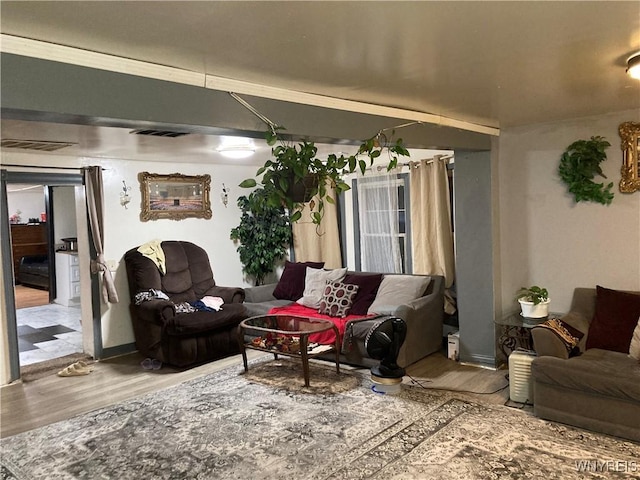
(634, 348)
(398, 290)
(314, 283)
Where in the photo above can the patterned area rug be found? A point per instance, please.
(265, 424)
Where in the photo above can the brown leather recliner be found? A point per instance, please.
(182, 339)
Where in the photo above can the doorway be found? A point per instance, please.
(44, 316)
(48, 316)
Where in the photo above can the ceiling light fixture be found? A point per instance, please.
(633, 66)
(241, 151)
(236, 147)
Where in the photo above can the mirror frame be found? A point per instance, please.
(154, 208)
(630, 135)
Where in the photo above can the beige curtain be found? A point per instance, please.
(322, 244)
(431, 231)
(95, 209)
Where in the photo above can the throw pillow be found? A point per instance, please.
(314, 283)
(368, 285)
(398, 290)
(291, 284)
(615, 318)
(337, 299)
(566, 333)
(634, 348)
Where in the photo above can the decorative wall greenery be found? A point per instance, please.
(264, 235)
(579, 164)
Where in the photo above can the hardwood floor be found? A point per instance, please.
(30, 297)
(29, 405)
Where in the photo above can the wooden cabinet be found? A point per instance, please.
(67, 279)
(27, 240)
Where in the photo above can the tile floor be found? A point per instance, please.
(47, 332)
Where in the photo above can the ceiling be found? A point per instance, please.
(497, 64)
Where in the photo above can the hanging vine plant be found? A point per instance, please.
(579, 165)
(298, 164)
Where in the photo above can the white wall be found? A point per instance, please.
(124, 230)
(64, 208)
(548, 239)
(29, 199)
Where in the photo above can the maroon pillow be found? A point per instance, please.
(615, 319)
(367, 289)
(291, 284)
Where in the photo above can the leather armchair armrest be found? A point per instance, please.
(157, 311)
(228, 294)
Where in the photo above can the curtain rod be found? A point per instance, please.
(379, 168)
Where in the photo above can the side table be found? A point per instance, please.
(515, 331)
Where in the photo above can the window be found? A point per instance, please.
(382, 223)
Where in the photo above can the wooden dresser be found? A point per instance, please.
(27, 240)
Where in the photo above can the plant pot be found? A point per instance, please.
(302, 191)
(530, 310)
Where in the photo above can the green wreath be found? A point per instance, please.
(579, 164)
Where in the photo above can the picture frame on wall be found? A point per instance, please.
(174, 196)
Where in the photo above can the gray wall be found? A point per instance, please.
(474, 257)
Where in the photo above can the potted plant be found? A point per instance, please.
(264, 235)
(296, 165)
(579, 164)
(534, 301)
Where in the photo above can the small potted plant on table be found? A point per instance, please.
(534, 302)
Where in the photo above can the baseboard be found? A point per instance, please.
(118, 351)
(482, 361)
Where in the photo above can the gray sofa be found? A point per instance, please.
(598, 390)
(423, 317)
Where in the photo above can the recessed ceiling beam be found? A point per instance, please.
(274, 93)
(59, 53)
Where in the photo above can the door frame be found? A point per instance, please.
(47, 179)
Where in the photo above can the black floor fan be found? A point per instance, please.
(383, 343)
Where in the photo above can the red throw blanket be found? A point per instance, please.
(327, 337)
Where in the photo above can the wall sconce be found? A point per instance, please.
(224, 196)
(633, 66)
(124, 195)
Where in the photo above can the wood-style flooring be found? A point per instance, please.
(30, 297)
(28, 405)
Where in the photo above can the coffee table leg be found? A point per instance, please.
(243, 349)
(337, 348)
(304, 355)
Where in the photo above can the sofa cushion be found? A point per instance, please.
(368, 285)
(337, 299)
(634, 348)
(597, 371)
(616, 316)
(291, 283)
(398, 290)
(315, 282)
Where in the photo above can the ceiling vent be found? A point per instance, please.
(40, 145)
(158, 133)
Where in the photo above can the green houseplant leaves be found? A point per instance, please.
(293, 163)
(264, 235)
(579, 164)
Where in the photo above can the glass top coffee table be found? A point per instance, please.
(286, 335)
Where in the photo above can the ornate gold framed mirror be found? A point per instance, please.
(630, 135)
(174, 196)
